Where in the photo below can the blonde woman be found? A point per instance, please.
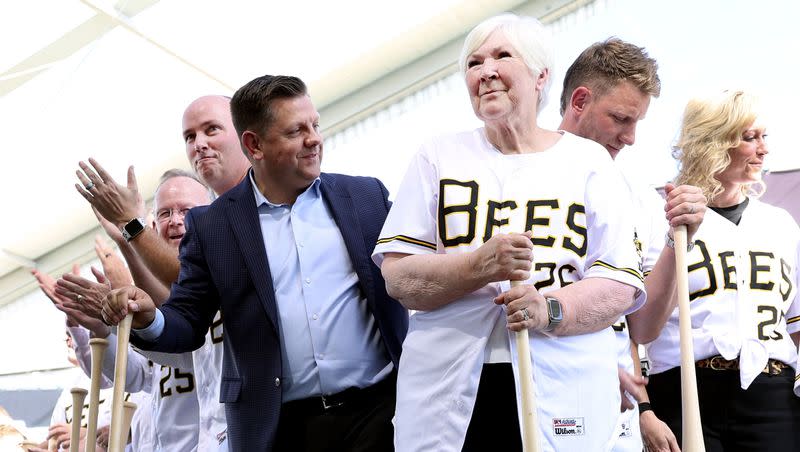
(742, 287)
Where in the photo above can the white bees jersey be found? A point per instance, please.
(62, 411)
(141, 424)
(207, 364)
(174, 399)
(651, 227)
(743, 292)
(458, 192)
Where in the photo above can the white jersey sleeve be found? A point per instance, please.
(80, 343)
(179, 360)
(652, 228)
(613, 245)
(410, 227)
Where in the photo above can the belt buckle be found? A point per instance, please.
(712, 361)
(774, 367)
(327, 405)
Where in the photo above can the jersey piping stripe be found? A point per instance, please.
(793, 319)
(797, 377)
(407, 239)
(623, 269)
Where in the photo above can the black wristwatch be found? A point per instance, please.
(554, 313)
(133, 228)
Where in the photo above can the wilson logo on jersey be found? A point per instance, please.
(570, 426)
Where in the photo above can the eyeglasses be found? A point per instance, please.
(164, 215)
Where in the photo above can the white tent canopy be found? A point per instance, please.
(90, 78)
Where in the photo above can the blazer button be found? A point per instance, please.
(277, 382)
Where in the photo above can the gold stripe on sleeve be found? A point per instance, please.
(407, 239)
(630, 271)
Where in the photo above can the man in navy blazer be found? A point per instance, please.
(312, 340)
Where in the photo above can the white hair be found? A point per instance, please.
(526, 35)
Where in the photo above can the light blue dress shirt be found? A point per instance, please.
(329, 339)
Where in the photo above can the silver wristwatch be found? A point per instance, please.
(555, 314)
(671, 243)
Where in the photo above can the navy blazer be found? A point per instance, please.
(224, 267)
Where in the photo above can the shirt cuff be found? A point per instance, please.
(153, 331)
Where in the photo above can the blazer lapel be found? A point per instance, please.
(344, 214)
(243, 218)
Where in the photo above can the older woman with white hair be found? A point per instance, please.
(447, 251)
(743, 283)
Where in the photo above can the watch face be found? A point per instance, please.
(554, 308)
(134, 227)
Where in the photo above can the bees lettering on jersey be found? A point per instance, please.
(761, 265)
(536, 218)
(767, 272)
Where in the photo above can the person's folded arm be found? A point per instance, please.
(428, 281)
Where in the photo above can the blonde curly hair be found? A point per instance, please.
(709, 130)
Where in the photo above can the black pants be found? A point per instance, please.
(494, 425)
(765, 417)
(363, 425)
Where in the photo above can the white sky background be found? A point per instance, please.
(701, 46)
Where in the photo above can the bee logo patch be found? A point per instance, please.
(637, 244)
